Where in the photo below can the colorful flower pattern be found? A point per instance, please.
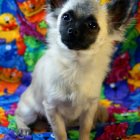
(23, 31)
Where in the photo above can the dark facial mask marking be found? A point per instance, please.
(78, 33)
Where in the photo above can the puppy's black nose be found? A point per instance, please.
(73, 32)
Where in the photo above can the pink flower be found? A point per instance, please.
(114, 131)
(120, 69)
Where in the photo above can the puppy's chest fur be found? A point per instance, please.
(73, 86)
(74, 96)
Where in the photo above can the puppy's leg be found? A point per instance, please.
(23, 128)
(101, 115)
(25, 113)
(56, 121)
(86, 121)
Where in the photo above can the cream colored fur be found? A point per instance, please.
(66, 84)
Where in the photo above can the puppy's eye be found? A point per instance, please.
(92, 25)
(66, 17)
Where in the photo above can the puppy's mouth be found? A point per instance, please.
(74, 45)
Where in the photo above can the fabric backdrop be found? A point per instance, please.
(23, 32)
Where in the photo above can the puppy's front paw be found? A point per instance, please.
(24, 131)
(85, 137)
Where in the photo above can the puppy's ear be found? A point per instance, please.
(119, 12)
(55, 4)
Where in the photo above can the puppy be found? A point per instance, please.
(67, 80)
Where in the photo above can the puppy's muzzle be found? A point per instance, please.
(73, 33)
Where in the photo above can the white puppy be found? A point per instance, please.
(67, 79)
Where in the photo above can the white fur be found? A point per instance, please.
(66, 84)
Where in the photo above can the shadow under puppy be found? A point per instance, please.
(67, 80)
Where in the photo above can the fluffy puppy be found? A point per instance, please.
(67, 80)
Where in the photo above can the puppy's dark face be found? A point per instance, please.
(78, 32)
(82, 25)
